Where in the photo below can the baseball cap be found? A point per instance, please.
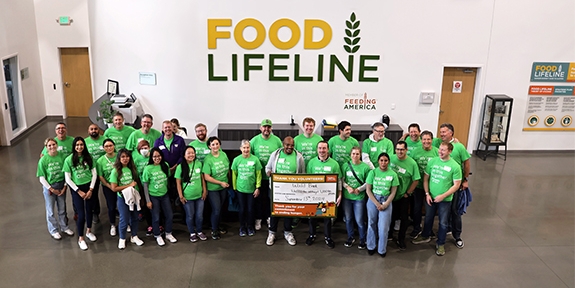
(266, 122)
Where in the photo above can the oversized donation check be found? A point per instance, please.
(304, 195)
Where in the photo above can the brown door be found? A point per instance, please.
(76, 81)
(457, 100)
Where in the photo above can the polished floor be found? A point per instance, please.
(518, 232)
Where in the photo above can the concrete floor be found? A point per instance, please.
(518, 232)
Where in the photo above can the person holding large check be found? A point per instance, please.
(323, 164)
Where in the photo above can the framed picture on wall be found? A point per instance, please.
(113, 87)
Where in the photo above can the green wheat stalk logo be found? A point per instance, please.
(352, 32)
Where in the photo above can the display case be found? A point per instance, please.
(494, 125)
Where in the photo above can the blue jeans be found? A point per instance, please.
(161, 203)
(217, 199)
(53, 201)
(442, 209)
(355, 209)
(246, 212)
(111, 202)
(127, 217)
(455, 223)
(378, 225)
(194, 209)
(84, 209)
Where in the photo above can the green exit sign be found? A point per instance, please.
(64, 20)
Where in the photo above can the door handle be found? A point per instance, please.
(441, 111)
(66, 84)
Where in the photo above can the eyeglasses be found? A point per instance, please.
(379, 131)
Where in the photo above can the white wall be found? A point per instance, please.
(415, 39)
(18, 36)
(52, 36)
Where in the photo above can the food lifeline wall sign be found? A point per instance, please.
(553, 72)
(223, 34)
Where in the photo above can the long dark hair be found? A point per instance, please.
(86, 157)
(186, 176)
(118, 166)
(163, 163)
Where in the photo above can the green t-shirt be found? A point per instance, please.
(382, 181)
(81, 174)
(361, 170)
(218, 168)
(263, 148)
(340, 150)
(95, 147)
(307, 146)
(168, 142)
(202, 149)
(64, 146)
(329, 166)
(138, 135)
(126, 178)
(407, 171)
(140, 161)
(412, 145)
(441, 176)
(286, 163)
(421, 157)
(192, 190)
(120, 137)
(104, 166)
(51, 168)
(157, 180)
(246, 170)
(373, 149)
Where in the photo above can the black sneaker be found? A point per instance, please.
(149, 231)
(371, 252)
(329, 243)
(310, 240)
(222, 230)
(383, 255)
(459, 243)
(349, 242)
(390, 236)
(361, 246)
(215, 235)
(401, 245)
(414, 234)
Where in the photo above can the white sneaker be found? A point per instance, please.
(171, 238)
(159, 239)
(122, 244)
(112, 230)
(136, 241)
(128, 229)
(397, 225)
(290, 239)
(258, 224)
(91, 237)
(271, 239)
(56, 235)
(83, 245)
(69, 232)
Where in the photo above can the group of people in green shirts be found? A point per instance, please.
(379, 182)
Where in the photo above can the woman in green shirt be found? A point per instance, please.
(155, 181)
(80, 175)
(354, 175)
(104, 166)
(141, 158)
(51, 177)
(246, 179)
(216, 170)
(123, 178)
(381, 186)
(192, 191)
